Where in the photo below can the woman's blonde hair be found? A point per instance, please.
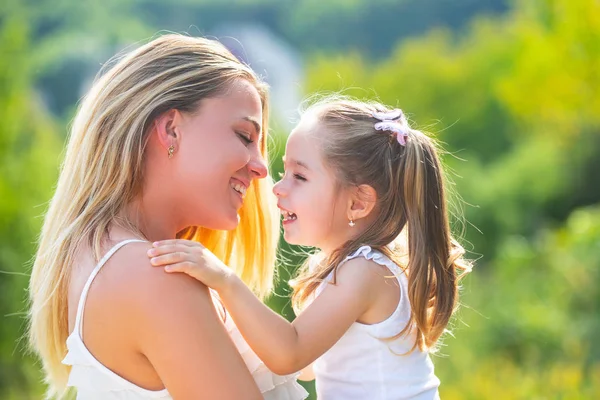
(411, 200)
(102, 173)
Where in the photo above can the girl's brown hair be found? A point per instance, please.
(411, 199)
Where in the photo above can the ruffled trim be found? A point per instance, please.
(370, 254)
(271, 385)
(377, 257)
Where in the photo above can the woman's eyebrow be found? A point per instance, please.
(255, 124)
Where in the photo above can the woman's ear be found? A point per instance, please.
(361, 202)
(166, 129)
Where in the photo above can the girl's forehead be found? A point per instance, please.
(303, 137)
(304, 149)
(307, 129)
(308, 121)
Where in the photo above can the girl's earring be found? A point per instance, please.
(171, 150)
(351, 223)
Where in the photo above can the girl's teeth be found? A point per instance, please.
(288, 216)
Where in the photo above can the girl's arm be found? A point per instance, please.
(307, 374)
(284, 347)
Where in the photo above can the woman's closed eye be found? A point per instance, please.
(246, 138)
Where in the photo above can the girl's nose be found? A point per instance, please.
(278, 189)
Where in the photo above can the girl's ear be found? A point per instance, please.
(361, 202)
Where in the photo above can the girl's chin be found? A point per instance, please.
(291, 239)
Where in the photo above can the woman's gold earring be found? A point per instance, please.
(351, 223)
(171, 150)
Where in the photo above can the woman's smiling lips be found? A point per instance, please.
(239, 187)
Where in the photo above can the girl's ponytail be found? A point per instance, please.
(433, 254)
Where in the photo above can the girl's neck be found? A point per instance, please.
(327, 253)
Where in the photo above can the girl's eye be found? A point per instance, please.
(299, 177)
(245, 138)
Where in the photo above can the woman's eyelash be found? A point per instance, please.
(245, 138)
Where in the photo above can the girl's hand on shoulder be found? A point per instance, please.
(192, 258)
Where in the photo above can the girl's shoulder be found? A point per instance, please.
(375, 257)
(363, 268)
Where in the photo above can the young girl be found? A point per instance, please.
(368, 191)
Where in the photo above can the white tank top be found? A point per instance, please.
(362, 366)
(94, 381)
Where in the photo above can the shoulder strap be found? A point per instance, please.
(86, 288)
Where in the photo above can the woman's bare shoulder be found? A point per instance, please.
(176, 327)
(170, 321)
(131, 280)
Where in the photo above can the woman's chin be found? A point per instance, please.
(234, 224)
(230, 223)
(224, 222)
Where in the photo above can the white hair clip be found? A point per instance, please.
(389, 123)
(388, 116)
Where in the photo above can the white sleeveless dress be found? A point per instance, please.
(361, 366)
(94, 381)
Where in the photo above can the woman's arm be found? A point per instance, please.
(179, 332)
(284, 347)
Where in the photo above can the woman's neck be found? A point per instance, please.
(141, 217)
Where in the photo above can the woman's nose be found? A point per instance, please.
(258, 166)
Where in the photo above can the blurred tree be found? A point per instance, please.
(33, 41)
(515, 96)
(530, 326)
(29, 148)
(500, 98)
(514, 101)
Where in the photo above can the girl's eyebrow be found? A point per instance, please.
(296, 162)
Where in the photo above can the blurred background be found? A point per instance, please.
(511, 88)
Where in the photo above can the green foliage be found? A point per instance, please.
(530, 325)
(512, 98)
(513, 101)
(474, 92)
(29, 149)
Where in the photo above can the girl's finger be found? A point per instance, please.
(184, 242)
(171, 258)
(172, 248)
(185, 267)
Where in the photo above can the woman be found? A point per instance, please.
(170, 139)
